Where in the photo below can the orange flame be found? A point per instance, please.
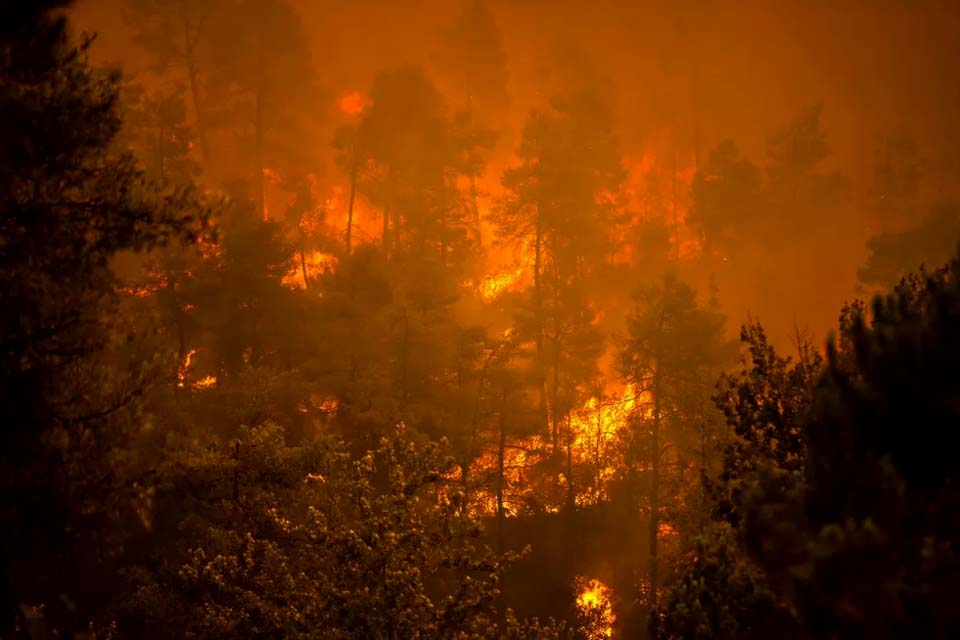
(316, 262)
(594, 601)
(492, 286)
(184, 368)
(206, 382)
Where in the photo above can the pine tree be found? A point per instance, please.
(865, 542)
(71, 372)
(672, 342)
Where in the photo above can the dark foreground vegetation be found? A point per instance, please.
(226, 415)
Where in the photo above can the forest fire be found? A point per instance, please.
(493, 285)
(439, 319)
(206, 382)
(595, 602)
(184, 368)
(307, 267)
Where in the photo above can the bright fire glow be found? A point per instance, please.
(594, 601)
(594, 428)
(184, 368)
(493, 286)
(353, 103)
(206, 382)
(316, 262)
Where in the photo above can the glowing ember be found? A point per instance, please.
(353, 103)
(206, 382)
(328, 406)
(594, 601)
(143, 291)
(184, 368)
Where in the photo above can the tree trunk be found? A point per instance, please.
(192, 79)
(303, 269)
(161, 168)
(258, 156)
(655, 484)
(258, 128)
(501, 482)
(353, 192)
(538, 307)
(501, 453)
(404, 353)
(395, 239)
(473, 202)
(676, 218)
(385, 235)
(571, 491)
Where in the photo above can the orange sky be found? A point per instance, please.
(686, 71)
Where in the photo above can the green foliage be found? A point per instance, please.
(155, 127)
(766, 404)
(72, 368)
(721, 591)
(308, 542)
(722, 594)
(674, 337)
(880, 556)
(569, 159)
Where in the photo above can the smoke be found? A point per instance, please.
(685, 76)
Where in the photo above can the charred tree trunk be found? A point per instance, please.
(385, 235)
(303, 269)
(473, 202)
(353, 193)
(654, 575)
(538, 309)
(501, 512)
(571, 491)
(676, 216)
(258, 125)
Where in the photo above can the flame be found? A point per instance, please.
(208, 248)
(272, 175)
(600, 418)
(658, 186)
(511, 268)
(317, 263)
(184, 368)
(206, 382)
(492, 286)
(328, 406)
(594, 601)
(325, 405)
(352, 103)
(594, 428)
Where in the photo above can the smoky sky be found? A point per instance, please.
(685, 75)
